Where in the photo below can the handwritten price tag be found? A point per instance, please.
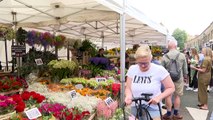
(33, 113)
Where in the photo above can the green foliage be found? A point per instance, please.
(21, 36)
(180, 36)
(9, 33)
(88, 46)
(29, 64)
(61, 69)
(95, 70)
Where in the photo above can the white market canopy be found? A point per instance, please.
(91, 19)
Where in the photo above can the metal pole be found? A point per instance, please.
(5, 42)
(122, 52)
(68, 51)
(102, 42)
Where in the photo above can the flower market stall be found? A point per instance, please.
(77, 89)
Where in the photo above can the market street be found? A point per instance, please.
(189, 108)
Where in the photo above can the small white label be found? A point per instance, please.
(79, 86)
(108, 101)
(100, 79)
(39, 61)
(33, 113)
(111, 78)
(73, 94)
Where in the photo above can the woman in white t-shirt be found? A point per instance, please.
(146, 77)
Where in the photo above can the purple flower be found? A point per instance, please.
(99, 60)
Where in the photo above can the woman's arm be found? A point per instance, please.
(169, 89)
(199, 69)
(128, 91)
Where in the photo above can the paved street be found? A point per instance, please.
(189, 107)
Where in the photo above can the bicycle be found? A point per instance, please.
(143, 108)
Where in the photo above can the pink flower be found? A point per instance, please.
(3, 104)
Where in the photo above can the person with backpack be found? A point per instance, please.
(176, 64)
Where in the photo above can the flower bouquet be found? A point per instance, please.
(61, 112)
(61, 69)
(27, 99)
(104, 111)
(9, 84)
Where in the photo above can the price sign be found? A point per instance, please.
(39, 61)
(33, 113)
(108, 101)
(79, 86)
(73, 94)
(18, 50)
(100, 79)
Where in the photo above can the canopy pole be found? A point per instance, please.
(122, 51)
(6, 57)
(102, 42)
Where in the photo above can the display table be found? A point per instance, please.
(7, 73)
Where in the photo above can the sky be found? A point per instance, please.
(193, 16)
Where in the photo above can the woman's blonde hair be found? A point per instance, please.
(143, 51)
(207, 52)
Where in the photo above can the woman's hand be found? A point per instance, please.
(128, 100)
(154, 100)
(193, 67)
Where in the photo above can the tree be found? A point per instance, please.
(180, 36)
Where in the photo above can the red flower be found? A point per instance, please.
(77, 117)
(69, 117)
(17, 98)
(115, 88)
(33, 93)
(84, 113)
(20, 107)
(25, 95)
(40, 98)
(6, 87)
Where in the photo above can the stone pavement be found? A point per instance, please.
(189, 108)
(189, 103)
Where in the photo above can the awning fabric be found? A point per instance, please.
(91, 19)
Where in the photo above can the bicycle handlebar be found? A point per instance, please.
(146, 97)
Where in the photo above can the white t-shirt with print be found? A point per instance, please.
(147, 82)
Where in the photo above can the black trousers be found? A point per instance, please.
(194, 81)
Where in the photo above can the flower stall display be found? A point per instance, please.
(61, 112)
(101, 62)
(45, 39)
(106, 112)
(7, 104)
(9, 85)
(156, 50)
(27, 99)
(61, 69)
(78, 102)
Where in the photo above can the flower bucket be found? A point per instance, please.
(7, 116)
(11, 92)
